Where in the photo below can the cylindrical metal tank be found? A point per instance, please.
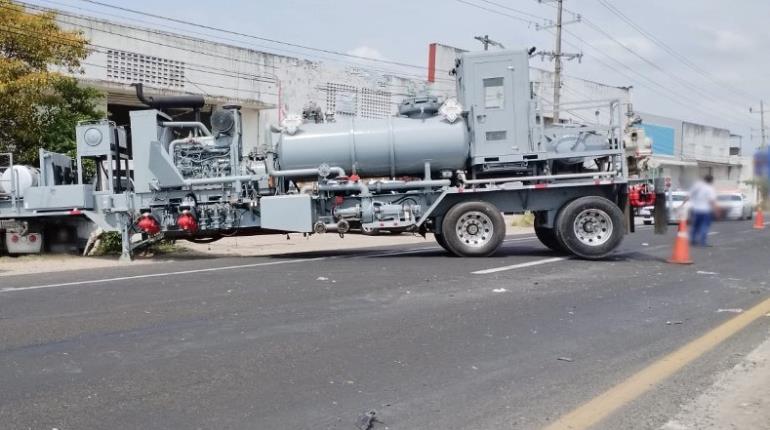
(26, 176)
(377, 147)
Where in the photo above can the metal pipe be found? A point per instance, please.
(410, 185)
(350, 186)
(221, 180)
(270, 165)
(187, 124)
(536, 178)
(172, 145)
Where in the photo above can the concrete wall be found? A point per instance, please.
(701, 142)
(268, 86)
(663, 125)
(697, 150)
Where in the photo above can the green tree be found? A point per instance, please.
(40, 100)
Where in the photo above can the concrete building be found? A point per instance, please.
(685, 151)
(266, 85)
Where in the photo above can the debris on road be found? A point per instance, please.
(674, 322)
(731, 310)
(567, 359)
(367, 420)
(499, 290)
(322, 278)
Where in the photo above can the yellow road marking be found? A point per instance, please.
(620, 395)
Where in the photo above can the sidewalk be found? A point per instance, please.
(739, 399)
(244, 246)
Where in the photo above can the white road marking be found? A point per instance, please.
(520, 265)
(521, 239)
(711, 233)
(158, 275)
(392, 253)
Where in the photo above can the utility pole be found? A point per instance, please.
(557, 64)
(763, 142)
(486, 41)
(557, 54)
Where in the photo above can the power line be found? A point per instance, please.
(252, 36)
(663, 93)
(502, 6)
(192, 66)
(651, 84)
(683, 59)
(708, 96)
(704, 94)
(97, 48)
(517, 18)
(187, 49)
(241, 43)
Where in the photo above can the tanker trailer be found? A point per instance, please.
(454, 170)
(448, 167)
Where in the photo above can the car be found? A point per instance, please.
(647, 214)
(734, 206)
(676, 205)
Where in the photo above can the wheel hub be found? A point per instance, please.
(593, 227)
(474, 229)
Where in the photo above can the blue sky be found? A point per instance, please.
(724, 41)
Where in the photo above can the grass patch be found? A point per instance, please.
(110, 244)
(527, 219)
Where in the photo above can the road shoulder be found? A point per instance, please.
(740, 398)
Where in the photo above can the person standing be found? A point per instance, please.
(703, 198)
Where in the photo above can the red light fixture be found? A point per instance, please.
(148, 224)
(187, 222)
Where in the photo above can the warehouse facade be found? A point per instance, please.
(267, 86)
(685, 151)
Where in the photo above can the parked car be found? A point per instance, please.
(734, 206)
(647, 214)
(674, 202)
(676, 205)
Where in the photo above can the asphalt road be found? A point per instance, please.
(312, 341)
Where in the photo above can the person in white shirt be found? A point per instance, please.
(703, 198)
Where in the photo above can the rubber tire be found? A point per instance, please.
(456, 246)
(547, 237)
(440, 240)
(566, 233)
(647, 222)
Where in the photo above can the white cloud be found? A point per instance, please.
(368, 52)
(730, 41)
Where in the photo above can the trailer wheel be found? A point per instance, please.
(473, 229)
(590, 227)
(547, 237)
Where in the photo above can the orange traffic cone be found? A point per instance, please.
(759, 220)
(681, 252)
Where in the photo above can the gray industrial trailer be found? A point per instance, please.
(451, 169)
